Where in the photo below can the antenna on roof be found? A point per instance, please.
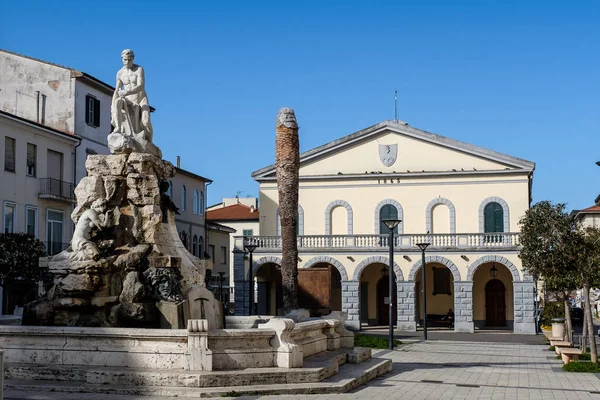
(395, 105)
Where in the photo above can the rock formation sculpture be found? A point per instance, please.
(126, 265)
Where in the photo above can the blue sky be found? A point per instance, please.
(519, 77)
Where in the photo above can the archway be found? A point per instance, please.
(493, 296)
(267, 290)
(440, 294)
(374, 297)
(320, 288)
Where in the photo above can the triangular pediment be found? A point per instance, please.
(393, 147)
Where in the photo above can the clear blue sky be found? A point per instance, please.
(519, 77)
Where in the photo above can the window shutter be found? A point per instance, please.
(387, 212)
(493, 215)
(499, 219)
(96, 112)
(87, 109)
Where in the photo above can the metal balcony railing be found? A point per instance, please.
(440, 241)
(51, 188)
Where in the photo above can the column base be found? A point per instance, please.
(525, 328)
(464, 327)
(406, 326)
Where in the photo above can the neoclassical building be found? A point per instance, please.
(463, 199)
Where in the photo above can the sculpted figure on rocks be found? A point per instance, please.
(95, 218)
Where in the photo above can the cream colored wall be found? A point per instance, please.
(239, 227)
(480, 279)
(436, 304)
(220, 239)
(465, 193)
(23, 190)
(591, 220)
(440, 219)
(413, 155)
(339, 221)
(372, 275)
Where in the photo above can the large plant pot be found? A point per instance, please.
(558, 327)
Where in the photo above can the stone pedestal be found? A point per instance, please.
(524, 308)
(463, 306)
(126, 266)
(351, 304)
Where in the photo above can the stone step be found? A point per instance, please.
(316, 368)
(350, 377)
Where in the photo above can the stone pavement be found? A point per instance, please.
(442, 370)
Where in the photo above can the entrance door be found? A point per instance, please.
(495, 303)
(383, 301)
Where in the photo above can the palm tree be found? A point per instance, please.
(287, 163)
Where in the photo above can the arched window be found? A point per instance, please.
(200, 247)
(184, 238)
(388, 211)
(201, 207)
(196, 201)
(493, 217)
(183, 198)
(170, 191)
(195, 245)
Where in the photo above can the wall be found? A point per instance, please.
(239, 227)
(220, 239)
(436, 304)
(187, 221)
(23, 190)
(21, 78)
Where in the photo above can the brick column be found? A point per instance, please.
(351, 304)
(463, 306)
(241, 285)
(524, 308)
(406, 306)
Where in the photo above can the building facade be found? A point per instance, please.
(242, 215)
(219, 250)
(464, 200)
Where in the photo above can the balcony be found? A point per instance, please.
(55, 189)
(406, 242)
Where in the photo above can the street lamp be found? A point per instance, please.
(250, 246)
(391, 224)
(423, 246)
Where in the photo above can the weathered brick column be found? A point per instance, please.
(241, 285)
(351, 304)
(406, 306)
(463, 306)
(524, 308)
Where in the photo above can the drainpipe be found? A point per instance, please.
(204, 213)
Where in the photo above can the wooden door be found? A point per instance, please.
(495, 303)
(383, 310)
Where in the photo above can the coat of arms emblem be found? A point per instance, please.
(388, 153)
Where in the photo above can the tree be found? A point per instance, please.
(549, 251)
(19, 258)
(287, 164)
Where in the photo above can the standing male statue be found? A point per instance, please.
(130, 111)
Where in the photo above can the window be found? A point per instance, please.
(195, 245)
(183, 198)
(170, 191)
(387, 212)
(248, 232)
(9, 154)
(201, 206)
(493, 221)
(92, 111)
(31, 221)
(223, 255)
(10, 217)
(201, 247)
(54, 231)
(441, 281)
(196, 201)
(211, 252)
(31, 159)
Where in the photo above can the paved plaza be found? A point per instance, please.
(440, 369)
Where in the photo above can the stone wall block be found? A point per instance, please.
(103, 165)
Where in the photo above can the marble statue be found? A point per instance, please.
(130, 111)
(94, 218)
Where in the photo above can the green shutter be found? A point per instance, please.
(493, 215)
(387, 212)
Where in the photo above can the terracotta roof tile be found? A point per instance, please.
(592, 209)
(235, 212)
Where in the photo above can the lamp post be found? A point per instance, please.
(391, 224)
(423, 246)
(250, 246)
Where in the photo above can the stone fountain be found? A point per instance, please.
(126, 266)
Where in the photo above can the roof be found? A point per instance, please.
(236, 212)
(191, 175)
(89, 79)
(402, 127)
(40, 126)
(214, 226)
(595, 209)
